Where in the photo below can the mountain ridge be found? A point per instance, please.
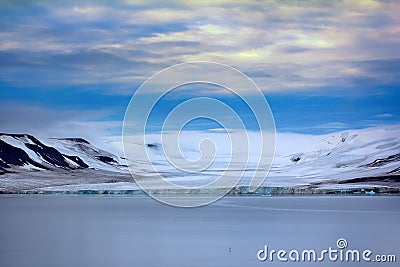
(367, 158)
(25, 152)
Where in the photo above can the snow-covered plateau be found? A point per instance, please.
(366, 160)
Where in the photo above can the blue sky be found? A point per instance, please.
(69, 68)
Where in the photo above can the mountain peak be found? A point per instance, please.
(75, 139)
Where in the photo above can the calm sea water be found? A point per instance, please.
(138, 231)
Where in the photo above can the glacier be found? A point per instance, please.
(363, 161)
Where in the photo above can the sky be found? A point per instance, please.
(70, 68)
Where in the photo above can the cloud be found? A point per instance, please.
(110, 47)
(384, 115)
(22, 118)
(333, 126)
(122, 42)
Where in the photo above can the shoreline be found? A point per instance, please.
(265, 191)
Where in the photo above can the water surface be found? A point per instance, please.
(138, 231)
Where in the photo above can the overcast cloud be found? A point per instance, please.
(111, 47)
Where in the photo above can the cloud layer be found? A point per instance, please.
(288, 45)
(329, 48)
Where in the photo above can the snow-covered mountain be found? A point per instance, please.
(19, 152)
(372, 155)
(367, 158)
